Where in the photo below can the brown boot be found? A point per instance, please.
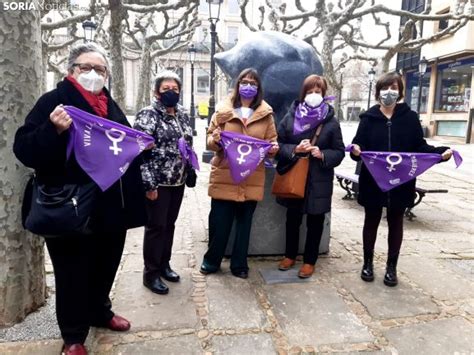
(286, 264)
(306, 271)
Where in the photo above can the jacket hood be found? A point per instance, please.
(374, 111)
(225, 111)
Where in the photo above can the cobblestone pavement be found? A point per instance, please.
(431, 311)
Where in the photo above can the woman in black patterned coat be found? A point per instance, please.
(164, 175)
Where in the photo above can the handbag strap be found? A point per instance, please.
(316, 135)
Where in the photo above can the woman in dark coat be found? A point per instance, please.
(390, 127)
(85, 266)
(308, 113)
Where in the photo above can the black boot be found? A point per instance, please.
(367, 273)
(390, 278)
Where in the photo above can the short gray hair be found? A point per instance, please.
(81, 48)
(167, 75)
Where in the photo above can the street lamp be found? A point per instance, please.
(214, 13)
(422, 65)
(371, 79)
(89, 30)
(192, 57)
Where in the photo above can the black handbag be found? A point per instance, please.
(61, 210)
(191, 176)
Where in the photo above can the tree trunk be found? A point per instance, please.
(22, 276)
(116, 59)
(144, 78)
(44, 74)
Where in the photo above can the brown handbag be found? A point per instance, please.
(292, 184)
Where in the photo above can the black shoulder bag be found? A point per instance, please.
(60, 210)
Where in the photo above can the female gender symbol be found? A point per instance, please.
(115, 140)
(243, 153)
(392, 163)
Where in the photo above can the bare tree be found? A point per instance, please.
(156, 33)
(54, 45)
(334, 27)
(22, 275)
(411, 34)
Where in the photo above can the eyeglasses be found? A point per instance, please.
(249, 82)
(86, 68)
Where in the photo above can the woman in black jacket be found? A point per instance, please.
(85, 266)
(391, 127)
(295, 133)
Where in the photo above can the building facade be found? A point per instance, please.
(446, 107)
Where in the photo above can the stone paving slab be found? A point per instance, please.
(315, 314)
(442, 284)
(150, 311)
(232, 303)
(251, 344)
(384, 302)
(447, 336)
(135, 264)
(274, 276)
(180, 345)
(45, 347)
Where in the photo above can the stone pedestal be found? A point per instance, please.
(268, 226)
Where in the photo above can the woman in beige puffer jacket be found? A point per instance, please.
(243, 112)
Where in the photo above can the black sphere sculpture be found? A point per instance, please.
(282, 61)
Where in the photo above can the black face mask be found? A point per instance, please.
(169, 98)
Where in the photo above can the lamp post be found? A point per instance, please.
(192, 112)
(214, 12)
(89, 33)
(422, 65)
(89, 30)
(371, 79)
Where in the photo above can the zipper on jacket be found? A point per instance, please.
(121, 193)
(389, 126)
(74, 203)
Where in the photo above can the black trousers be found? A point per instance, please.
(84, 271)
(372, 219)
(314, 225)
(159, 231)
(221, 218)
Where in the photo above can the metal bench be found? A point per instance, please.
(420, 193)
(347, 181)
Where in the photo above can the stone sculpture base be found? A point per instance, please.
(268, 226)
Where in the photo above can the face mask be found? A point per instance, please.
(388, 97)
(248, 91)
(169, 98)
(313, 100)
(91, 81)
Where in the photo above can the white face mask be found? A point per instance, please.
(91, 81)
(388, 97)
(313, 100)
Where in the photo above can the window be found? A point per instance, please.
(451, 128)
(232, 35)
(442, 24)
(412, 91)
(202, 81)
(453, 87)
(233, 7)
(410, 60)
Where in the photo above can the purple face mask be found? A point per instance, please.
(248, 91)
